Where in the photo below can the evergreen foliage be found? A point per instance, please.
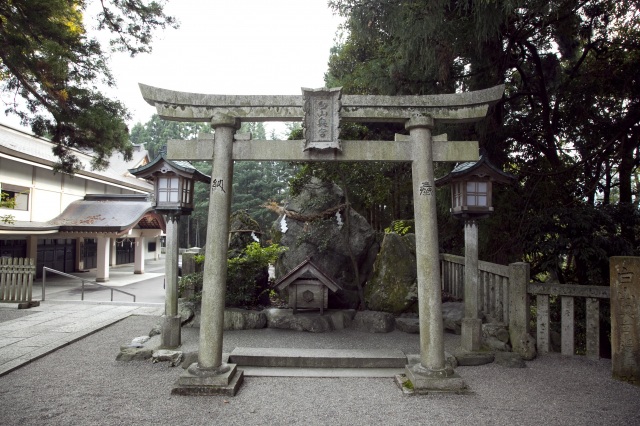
(7, 202)
(247, 276)
(50, 68)
(254, 182)
(156, 132)
(568, 126)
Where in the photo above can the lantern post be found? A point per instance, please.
(173, 183)
(471, 186)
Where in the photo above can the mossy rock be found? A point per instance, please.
(393, 285)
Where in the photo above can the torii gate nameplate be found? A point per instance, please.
(321, 118)
(419, 113)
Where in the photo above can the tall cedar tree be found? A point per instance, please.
(568, 126)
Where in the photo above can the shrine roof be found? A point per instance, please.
(307, 266)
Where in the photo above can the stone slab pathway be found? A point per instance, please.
(54, 325)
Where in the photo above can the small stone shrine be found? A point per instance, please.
(308, 287)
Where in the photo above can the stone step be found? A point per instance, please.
(321, 372)
(318, 358)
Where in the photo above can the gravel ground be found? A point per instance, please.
(11, 314)
(82, 384)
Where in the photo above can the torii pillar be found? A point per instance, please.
(431, 373)
(210, 375)
(322, 110)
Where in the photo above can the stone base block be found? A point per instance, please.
(408, 325)
(470, 359)
(471, 334)
(425, 381)
(28, 305)
(318, 358)
(224, 381)
(171, 331)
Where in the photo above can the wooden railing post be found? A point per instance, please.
(518, 304)
(566, 324)
(543, 324)
(593, 327)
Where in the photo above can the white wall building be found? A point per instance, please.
(57, 223)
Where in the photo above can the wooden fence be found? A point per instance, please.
(568, 293)
(493, 283)
(16, 279)
(505, 294)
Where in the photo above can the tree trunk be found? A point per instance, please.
(354, 262)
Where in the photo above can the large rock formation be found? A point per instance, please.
(313, 225)
(243, 230)
(393, 285)
(309, 321)
(374, 322)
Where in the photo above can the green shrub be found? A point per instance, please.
(247, 277)
(190, 287)
(401, 227)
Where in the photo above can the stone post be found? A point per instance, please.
(32, 247)
(113, 252)
(80, 254)
(518, 306)
(103, 245)
(138, 266)
(430, 374)
(471, 335)
(171, 336)
(210, 375)
(625, 318)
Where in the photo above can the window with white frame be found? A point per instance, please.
(168, 191)
(18, 193)
(477, 194)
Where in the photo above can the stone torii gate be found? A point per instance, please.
(321, 111)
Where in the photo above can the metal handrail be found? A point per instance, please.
(44, 280)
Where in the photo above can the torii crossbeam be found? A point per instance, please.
(321, 111)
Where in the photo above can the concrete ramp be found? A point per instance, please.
(319, 362)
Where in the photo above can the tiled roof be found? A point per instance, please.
(20, 144)
(103, 213)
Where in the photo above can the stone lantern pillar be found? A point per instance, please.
(173, 195)
(471, 194)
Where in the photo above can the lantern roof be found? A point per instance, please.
(482, 168)
(160, 163)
